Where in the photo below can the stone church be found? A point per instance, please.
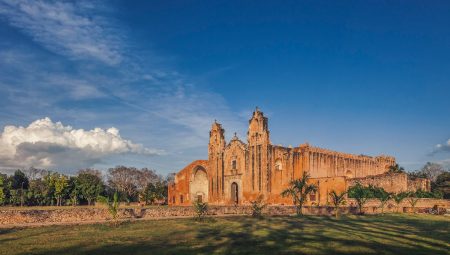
(238, 172)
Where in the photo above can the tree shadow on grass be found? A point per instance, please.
(286, 235)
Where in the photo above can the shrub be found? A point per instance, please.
(257, 206)
(201, 209)
(113, 206)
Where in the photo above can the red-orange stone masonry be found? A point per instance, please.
(238, 172)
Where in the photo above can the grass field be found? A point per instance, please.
(389, 234)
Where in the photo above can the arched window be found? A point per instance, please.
(234, 164)
(278, 165)
(181, 199)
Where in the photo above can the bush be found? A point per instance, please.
(257, 206)
(201, 209)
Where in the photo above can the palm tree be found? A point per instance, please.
(412, 199)
(383, 196)
(361, 194)
(299, 190)
(398, 198)
(113, 206)
(337, 200)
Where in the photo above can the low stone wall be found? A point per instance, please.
(92, 214)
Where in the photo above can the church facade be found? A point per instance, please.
(237, 172)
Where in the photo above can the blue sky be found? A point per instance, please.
(369, 77)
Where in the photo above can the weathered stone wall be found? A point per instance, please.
(179, 191)
(390, 182)
(79, 215)
(419, 183)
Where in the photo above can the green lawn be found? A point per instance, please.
(389, 234)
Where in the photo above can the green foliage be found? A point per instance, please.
(257, 206)
(361, 194)
(61, 184)
(2, 192)
(19, 180)
(426, 194)
(154, 192)
(383, 196)
(398, 198)
(201, 209)
(417, 174)
(337, 200)
(299, 190)
(74, 188)
(113, 205)
(19, 183)
(412, 200)
(396, 169)
(90, 186)
(37, 193)
(442, 185)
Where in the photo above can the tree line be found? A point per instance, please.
(40, 187)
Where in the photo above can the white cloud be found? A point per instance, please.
(70, 29)
(49, 144)
(161, 105)
(442, 147)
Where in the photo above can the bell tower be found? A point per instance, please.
(216, 149)
(258, 137)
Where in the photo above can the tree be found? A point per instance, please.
(113, 206)
(74, 190)
(154, 192)
(396, 169)
(299, 190)
(383, 196)
(49, 192)
(361, 194)
(37, 192)
(432, 170)
(417, 174)
(2, 192)
(90, 185)
(337, 200)
(412, 199)
(61, 184)
(123, 179)
(35, 173)
(398, 198)
(442, 184)
(19, 184)
(170, 178)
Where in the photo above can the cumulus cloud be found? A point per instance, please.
(443, 146)
(49, 144)
(67, 28)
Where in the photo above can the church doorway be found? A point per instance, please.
(234, 193)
